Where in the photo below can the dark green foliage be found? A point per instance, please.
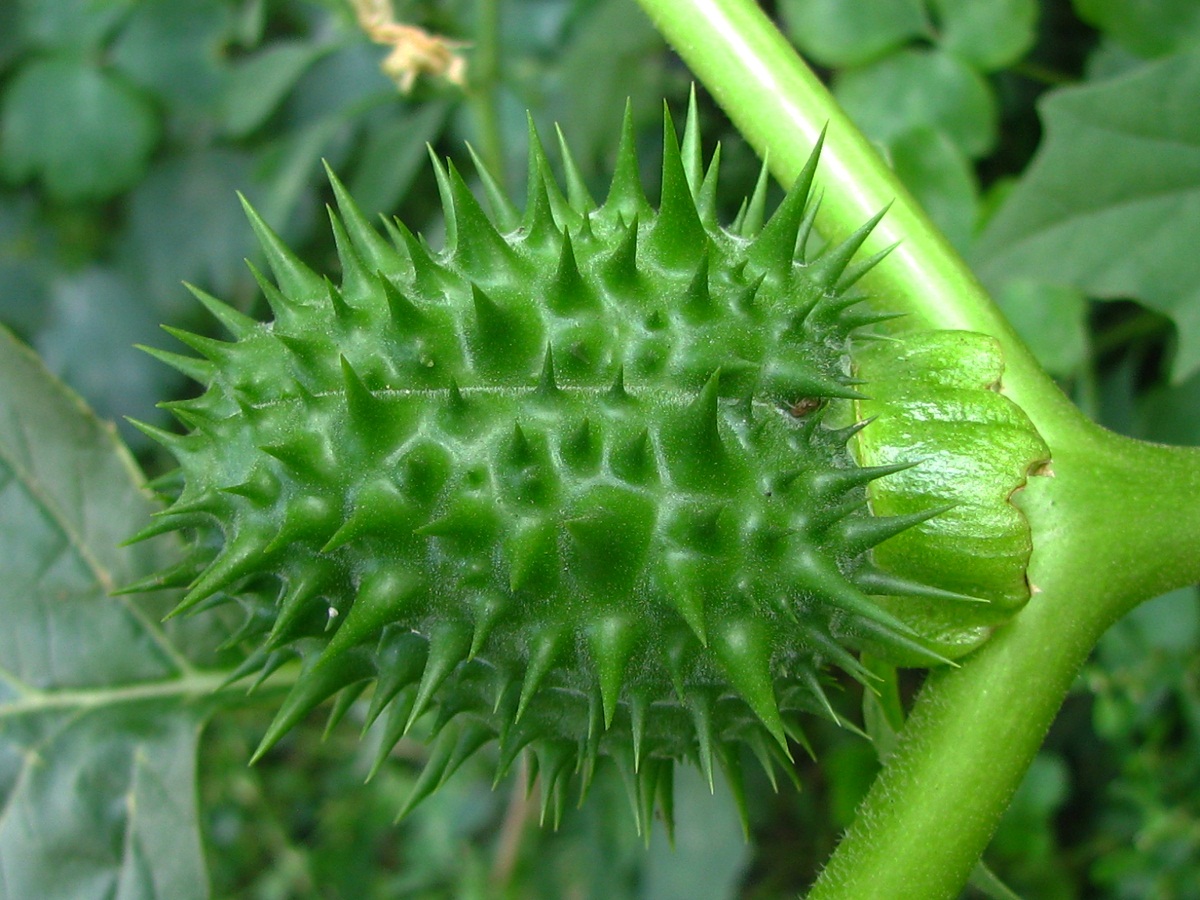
(566, 485)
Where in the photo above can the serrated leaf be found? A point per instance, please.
(97, 747)
(921, 88)
(84, 132)
(1111, 203)
(852, 32)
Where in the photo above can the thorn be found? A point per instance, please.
(236, 323)
(706, 199)
(751, 223)
(828, 268)
(625, 195)
(539, 168)
(317, 681)
(620, 269)
(582, 450)
(833, 483)
(743, 650)
(478, 246)
(489, 608)
(506, 216)
(697, 305)
(634, 463)
(684, 586)
(543, 657)
(356, 279)
(578, 196)
(547, 388)
(612, 640)
(775, 246)
(369, 244)
(448, 646)
(689, 150)
(677, 232)
(217, 351)
(861, 533)
(295, 279)
(240, 556)
(701, 706)
(617, 393)
(199, 370)
(567, 292)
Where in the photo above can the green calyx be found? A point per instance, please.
(583, 481)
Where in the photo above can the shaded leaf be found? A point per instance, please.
(84, 132)
(852, 32)
(1052, 320)
(393, 154)
(1111, 203)
(185, 224)
(97, 746)
(942, 180)
(68, 24)
(175, 50)
(915, 88)
(93, 319)
(1147, 28)
(989, 34)
(259, 83)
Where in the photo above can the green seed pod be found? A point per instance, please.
(582, 481)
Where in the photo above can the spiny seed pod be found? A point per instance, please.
(573, 482)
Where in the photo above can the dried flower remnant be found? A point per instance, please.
(414, 50)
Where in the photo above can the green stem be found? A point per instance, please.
(485, 77)
(1117, 524)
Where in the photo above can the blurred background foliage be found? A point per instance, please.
(126, 126)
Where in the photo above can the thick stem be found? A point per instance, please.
(1117, 523)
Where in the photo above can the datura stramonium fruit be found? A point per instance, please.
(597, 481)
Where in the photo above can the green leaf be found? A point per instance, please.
(942, 180)
(989, 34)
(84, 132)
(1148, 28)
(852, 32)
(1111, 203)
(175, 50)
(97, 749)
(393, 153)
(915, 88)
(185, 224)
(68, 24)
(260, 82)
(1052, 320)
(93, 319)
